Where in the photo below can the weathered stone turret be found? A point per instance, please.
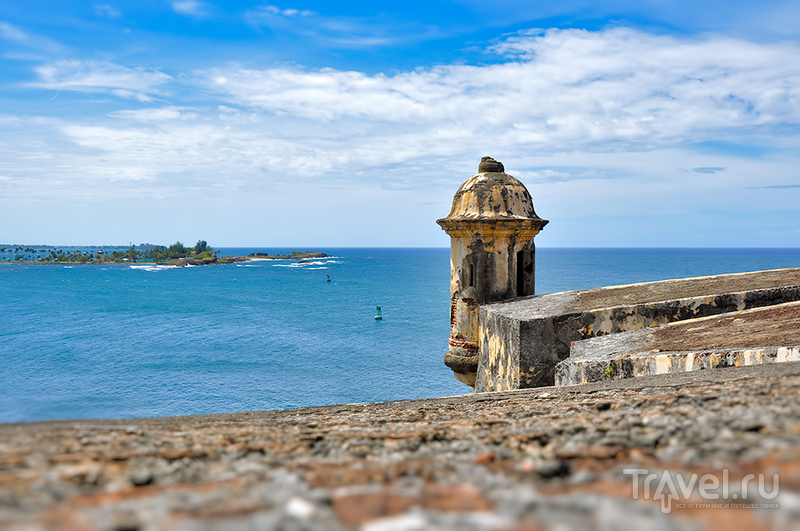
(492, 256)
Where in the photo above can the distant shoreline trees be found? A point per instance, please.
(175, 254)
(200, 253)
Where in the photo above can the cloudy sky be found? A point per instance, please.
(307, 123)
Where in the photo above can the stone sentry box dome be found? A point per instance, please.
(492, 256)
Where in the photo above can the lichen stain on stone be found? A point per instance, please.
(527, 375)
(498, 374)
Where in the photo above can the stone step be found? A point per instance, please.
(748, 337)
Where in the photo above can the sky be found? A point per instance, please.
(310, 124)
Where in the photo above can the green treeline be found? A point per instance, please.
(200, 253)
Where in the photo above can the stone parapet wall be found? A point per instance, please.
(576, 372)
(521, 341)
(748, 337)
(498, 359)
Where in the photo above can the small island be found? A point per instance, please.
(176, 255)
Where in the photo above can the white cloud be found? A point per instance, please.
(558, 174)
(192, 8)
(708, 169)
(105, 10)
(558, 92)
(764, 20)
(290, 12)
(101, 76)
(162, 114)
(12, 33)
(25, 39)
(338, 32)
(563, 90)
(597, 123)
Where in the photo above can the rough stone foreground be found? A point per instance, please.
(546, 458)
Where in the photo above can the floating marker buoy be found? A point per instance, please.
(329, 278)
(378, 317)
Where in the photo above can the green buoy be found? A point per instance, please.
(378, 317)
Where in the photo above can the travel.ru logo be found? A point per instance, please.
(676, 489)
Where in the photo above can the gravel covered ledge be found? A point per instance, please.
(545, 458)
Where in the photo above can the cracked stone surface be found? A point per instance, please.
(545, 458)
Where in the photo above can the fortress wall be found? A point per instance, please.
(530, 336)
(498, 361)
(748, 337)
(591, 371)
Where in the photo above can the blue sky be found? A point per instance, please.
(316, 124)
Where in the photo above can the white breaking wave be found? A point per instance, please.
(153, 267)
(320, 264)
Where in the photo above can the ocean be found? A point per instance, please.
(122, 341)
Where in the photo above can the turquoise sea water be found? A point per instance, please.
(137, 340)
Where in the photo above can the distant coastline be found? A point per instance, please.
(174, 255)
(180, 262)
